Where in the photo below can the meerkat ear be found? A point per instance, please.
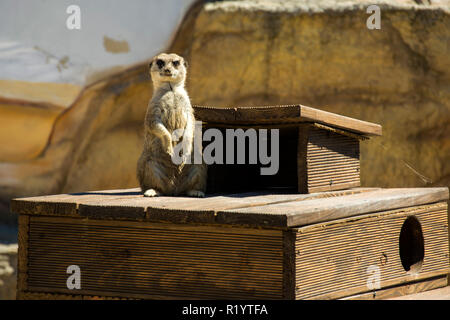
(185, 64)
(150, 64)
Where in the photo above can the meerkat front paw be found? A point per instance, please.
(167, 145)
(196, 193)
(151, 193)
(169, 150)
(187, 148)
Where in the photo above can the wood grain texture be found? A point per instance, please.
(334, 256)
(289, 255)
(434, 294)
(130, 205)
(433, 289)
(22, 254)
(403, 290)
(27, 295)
(302, 164)
(284, 114)
(329, 161)
(152, 259)
(66, 204)
(320, 210)
(335, 120)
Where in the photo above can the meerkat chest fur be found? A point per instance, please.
(175, 108)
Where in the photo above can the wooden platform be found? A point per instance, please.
(232, 246)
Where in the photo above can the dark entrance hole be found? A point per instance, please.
(234, 178)
(411, 245)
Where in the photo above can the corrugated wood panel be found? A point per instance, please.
(332, 258)
(22, 255)
(146, 260)
(283, 114)
(332, 161)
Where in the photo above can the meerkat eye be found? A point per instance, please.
(176, 63)
(160, 63)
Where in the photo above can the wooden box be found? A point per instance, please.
(239, 246)
(318, 150)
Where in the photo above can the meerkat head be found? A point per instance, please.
(169, 68)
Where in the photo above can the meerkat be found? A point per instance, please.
(169, 110)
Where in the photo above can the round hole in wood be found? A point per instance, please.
(411, 245)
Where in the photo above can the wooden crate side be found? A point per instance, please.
(332, 161)
(302, 152)
(151, 260)
(338, 257)
(402, 290)
(288, 265)
(22, 254)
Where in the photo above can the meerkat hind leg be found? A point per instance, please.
(151, 193)
(196, 193)
(194, 180)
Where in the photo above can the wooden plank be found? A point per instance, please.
(436, 294)
(320, 210)
(27, 295)
(219, 115)
(289, 265)
(335, 186)
(422, 290)
(425, 290)
(22, 254)
(66, 204)
(356, 290)
(131, 205)
(51, 205)
(269, 210)
(284, 114)
(271, 114)
(152, 226)
(45, 293)
(194, 210)
(343, 122)
(302, 152)
(175, 209)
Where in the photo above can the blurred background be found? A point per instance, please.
(72, 101)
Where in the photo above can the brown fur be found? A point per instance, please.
(168, 110)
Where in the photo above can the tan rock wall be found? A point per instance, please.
(398, 76)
